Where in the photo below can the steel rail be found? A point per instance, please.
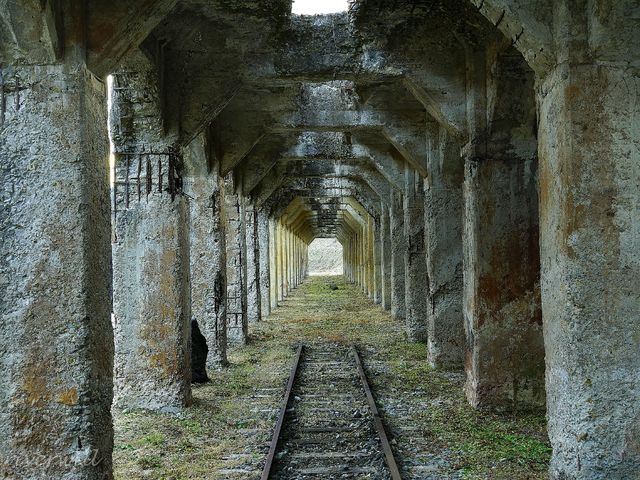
(266, 471)
(386, 447)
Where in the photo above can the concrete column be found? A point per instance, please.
(362, 260)
(293, 256)
(273, 264)
(385, 257)
(346, 266)
(443, 221)
(237, 323)
(377, 260)
(292, 263)
(285, 259)
(56, 340)
(208, 258)
(371, 274)
(253, 265)
(504, 357)
(279, 260)
(151, 290)
(398, 247)
(415, 262)
(296, 253)
(305, 261)
(589, 151)
(347, 260)
(151, 305)
(299, 275)
(264, 263)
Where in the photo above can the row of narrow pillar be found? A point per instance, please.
(287, 259)
(187, 245)
(203, 253)
(454, 254)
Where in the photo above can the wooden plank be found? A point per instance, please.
(283, 410)
(386, 447)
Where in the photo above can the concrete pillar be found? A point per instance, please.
(377, 260)
(151, 289)
(398, 247)
(290, 260)
(285, 259)
(275, 285)
(346, 266)
(371, 274)
(57, 339)
(252, 265)
(151, 305)
(273, 264)
(589, 202)
(361, 260)
(443, 221)
(349, 259)
(385, 256)
(298, 261)
(280, 260)
(208, 258)
(415, 262)
(264, 261)
(237, 324)
(504, 353)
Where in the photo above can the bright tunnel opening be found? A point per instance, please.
(325, 257)
(319, 7)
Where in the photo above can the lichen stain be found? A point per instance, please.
(68, 397)
(36, 389)
(588, 173)
(515, 270)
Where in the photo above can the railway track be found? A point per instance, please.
(329, 426)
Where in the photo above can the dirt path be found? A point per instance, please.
(226, 434)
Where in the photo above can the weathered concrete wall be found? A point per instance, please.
(398, 247)
(151, 305)
(234, 208)
(56, 340)
(208, 257)
(590, 234)
(415, 261)
(443, 235)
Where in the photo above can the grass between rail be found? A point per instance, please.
(225, 434)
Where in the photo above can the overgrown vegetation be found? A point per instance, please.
(225, 434)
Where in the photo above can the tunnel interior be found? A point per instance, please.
(168, 165)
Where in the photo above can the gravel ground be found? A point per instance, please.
(435, 433)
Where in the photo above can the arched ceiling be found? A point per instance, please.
(290, 101)
(324, 107)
